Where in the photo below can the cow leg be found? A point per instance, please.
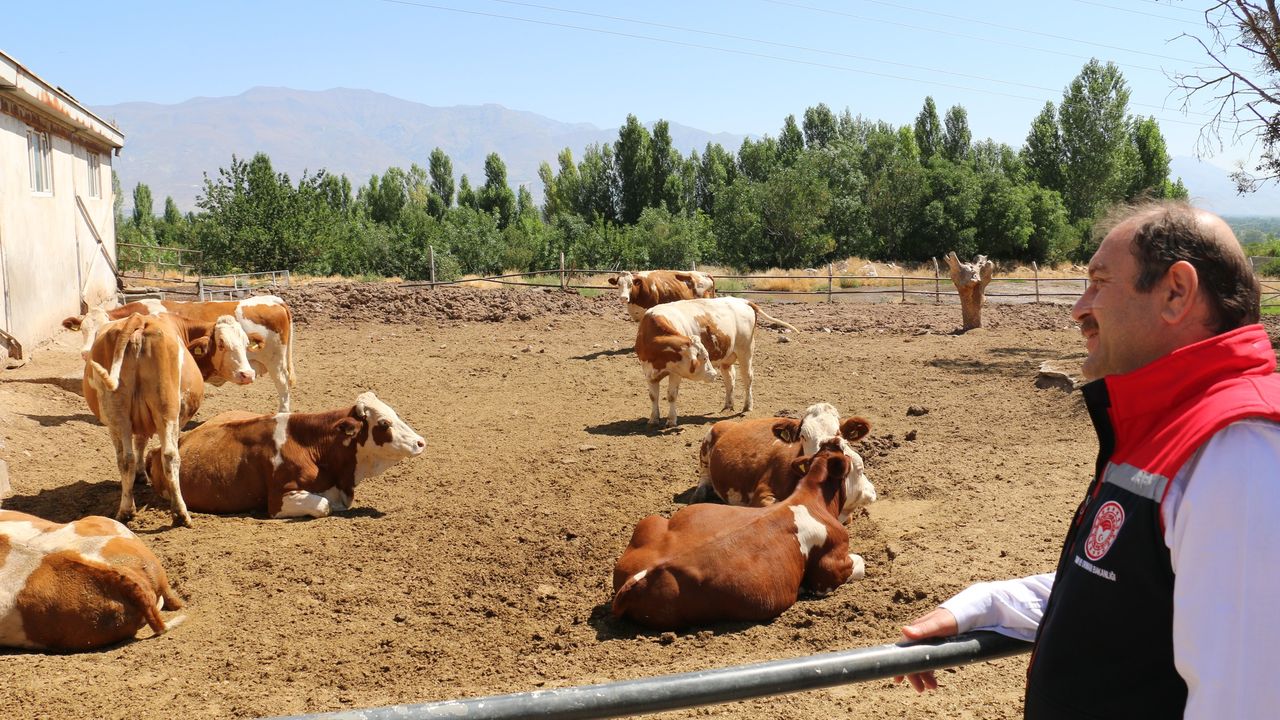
(748, 375)
(654, 415)
(726, 374)
(301, 503)
(279, 377)
(127, 464)
(673, 390)
(172, 466)
(832, 570)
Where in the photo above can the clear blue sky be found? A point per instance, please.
(739, 66)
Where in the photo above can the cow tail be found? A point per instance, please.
(140, 596)
(762, 314)
(288, 346)
(704, 457)
(129, 339)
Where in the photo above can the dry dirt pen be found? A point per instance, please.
(482, 567)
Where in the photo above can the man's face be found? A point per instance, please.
(1121, 325)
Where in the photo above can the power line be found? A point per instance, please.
(732, 51)
(1139, 12)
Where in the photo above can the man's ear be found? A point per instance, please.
(256, 342)
(199, 347)
(1180, 286)
(349, 426)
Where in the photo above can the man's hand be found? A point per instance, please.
(937, 623)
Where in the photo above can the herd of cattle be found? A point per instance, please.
(790, 484)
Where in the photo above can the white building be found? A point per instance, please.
(57, 225)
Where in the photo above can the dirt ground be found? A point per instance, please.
(483, 566)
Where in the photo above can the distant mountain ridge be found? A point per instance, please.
(356, 133)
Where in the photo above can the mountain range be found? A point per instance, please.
(359, 133)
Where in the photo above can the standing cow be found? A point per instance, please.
(642, 290)
(698, 340)
(266, 319)
(714, 563)
(289, 464)
(77, 586)
(748, 462)
(142, 379)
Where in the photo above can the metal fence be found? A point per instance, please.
(239, 285)
(158, 263)
(708, 687)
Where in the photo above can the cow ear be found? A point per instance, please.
(854, 429)
(359, 412)
(72, 323)
(349, 426)
(788, 431)
(613, 280)
(800, 466)
(256, 342)
(199, 347)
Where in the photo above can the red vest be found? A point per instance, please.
(1105, 645)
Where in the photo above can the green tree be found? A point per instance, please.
(440, 168)
(386, 196)
(758, 159)
(1098, 155)
(634, 162)
(717, 170)
(1043, 153)
(819, 127)
(1152, 171)
(467, 197)
(144, 217)
(598, 185)
(496, 196)
(665, 166)
(928, 130)
(790, 142)
(956, 135)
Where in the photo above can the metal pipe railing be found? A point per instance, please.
(707, 687)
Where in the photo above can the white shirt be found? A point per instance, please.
(1222, 528)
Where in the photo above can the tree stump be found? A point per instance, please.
(971, 281)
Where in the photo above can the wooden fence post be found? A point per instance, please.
(937, 283)
(902, 280)
(562, 272)
(1035, 269)
(433, 266)
(829, 268)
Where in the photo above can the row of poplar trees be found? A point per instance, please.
(827, 187)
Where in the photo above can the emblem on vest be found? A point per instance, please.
(1106, 526)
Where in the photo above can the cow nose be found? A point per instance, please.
(244, 378)
(422, 443)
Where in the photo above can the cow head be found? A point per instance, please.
(837, 474)
(696, 358)
(382, 438)
(88, 327)
(225, 348)
(820, 426)
(629, 288)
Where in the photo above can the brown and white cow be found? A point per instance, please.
(289, 464)
(142, 379)
(642, 290)
(714, 563)
(266, 319)
(79, 585)
(748, 462)
(698, 340)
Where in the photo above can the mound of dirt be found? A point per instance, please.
(381, 302)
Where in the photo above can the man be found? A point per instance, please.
(1164, 599)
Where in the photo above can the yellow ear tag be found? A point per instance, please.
(804, 467)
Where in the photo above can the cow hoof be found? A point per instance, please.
(859, 567)
(653, 421)
(123, 516)
(182, 521)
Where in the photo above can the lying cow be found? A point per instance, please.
(698, 340)
(714, 563)
(266, 319)
(289, 464)
(642, 290)
(142, 379)
(748, 462)
(77, 586)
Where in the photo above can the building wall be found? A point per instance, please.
(49, 259)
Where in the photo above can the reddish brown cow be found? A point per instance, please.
(141, 379)
(289, 464)
(714, 563)
(748, 462)
(77, 586)
(266, 319)
(642, 290)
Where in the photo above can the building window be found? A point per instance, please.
(95, 175)
(39, 163)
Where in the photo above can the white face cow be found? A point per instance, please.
(389, 441)
(229, 345)
(820, 426)
(623, 281)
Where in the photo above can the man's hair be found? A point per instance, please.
(1168, 231)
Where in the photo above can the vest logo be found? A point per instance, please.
(1106, 526)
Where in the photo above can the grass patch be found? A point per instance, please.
(1271, 309)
